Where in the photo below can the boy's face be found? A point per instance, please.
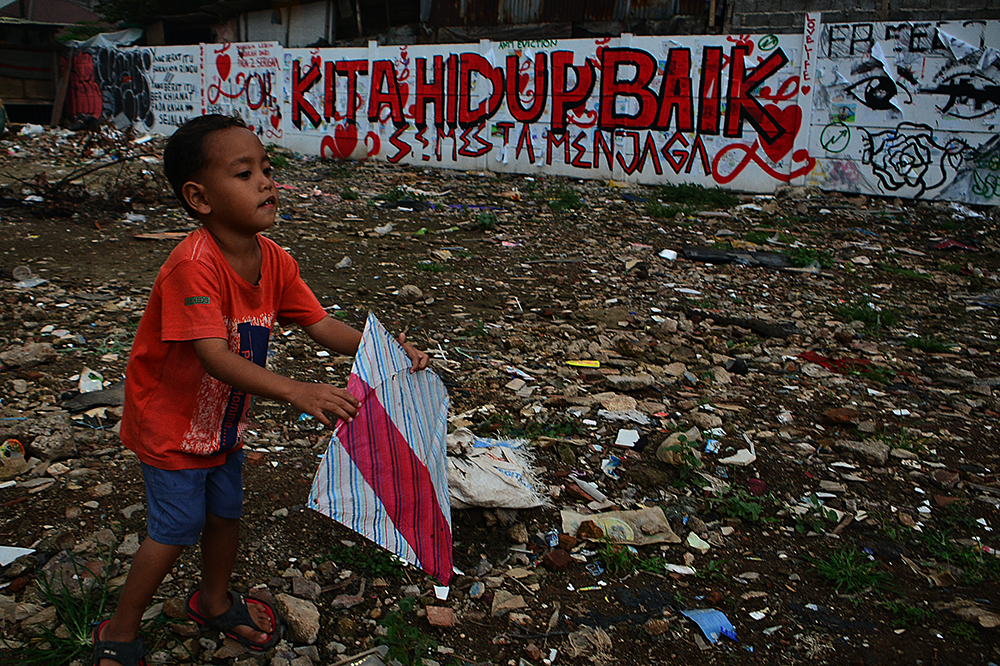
(235, 190)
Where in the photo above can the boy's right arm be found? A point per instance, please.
(309, 397)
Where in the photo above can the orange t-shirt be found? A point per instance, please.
(177, 416)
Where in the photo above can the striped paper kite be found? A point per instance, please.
(385, 473)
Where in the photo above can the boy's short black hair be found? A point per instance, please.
(185, 156)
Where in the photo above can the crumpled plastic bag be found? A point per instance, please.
(490, 473)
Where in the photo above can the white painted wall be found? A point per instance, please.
(908, 110)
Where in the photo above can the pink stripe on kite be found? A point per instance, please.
(400, 480)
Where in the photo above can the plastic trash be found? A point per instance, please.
(12, 460)
(32, 130)
(490, 473)
(344, 263)
(90, 380)
(21, 273)
(669, 255)
(712, 623)
(627, 438)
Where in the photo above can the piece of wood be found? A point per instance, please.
(63, 87)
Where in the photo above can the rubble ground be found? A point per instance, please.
(814, 411)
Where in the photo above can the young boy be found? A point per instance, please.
(199, 353)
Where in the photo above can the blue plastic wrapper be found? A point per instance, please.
(712, 623)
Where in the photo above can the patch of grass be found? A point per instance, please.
(698, 196)
(851, 571)
(278, 161)
(877, 373)
(486, 221)
(965, 632)
(349, 194)
(977, 568)
(875, 317)
(662, 211)
(563, 198)
(394, 195)
(618, 558)
(407, 644)
(740, 504)
(714, 570)
(806, 256)
(900, 440)
(957, 515)
(79, 597)
(815, 519)
(907, 615)
(688, 465)
(954, 269)
(431, 267)
(903, 272)
(365, 557)
(930, 344)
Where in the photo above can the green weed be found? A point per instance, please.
(407, 644)
(875, 317)
(806, 256)
(368, 558)
(762, 237)
(431, 267)
(954, 269)
(907, 615)
(851, 571)
(714, 570)
(740, 504)
(394, 195)
(904, 272)
(662, 211)
(931, 344)
(486, 221)
(618, 559)
(698, 196)
(976, 567)
(686, 469)
(349, 194)
(563, 198)
(966, 632)
(815, 519)
(900, 440)
(79, 597)
(278, 161)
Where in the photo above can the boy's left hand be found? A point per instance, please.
(418, 360)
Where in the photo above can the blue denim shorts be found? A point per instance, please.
(180, 499)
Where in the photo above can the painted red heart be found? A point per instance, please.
(790, 119)
(342, 143)
(275, 120)
(224, 64)
(805, 90)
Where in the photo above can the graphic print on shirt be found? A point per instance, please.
(218, 420)
(253, 347)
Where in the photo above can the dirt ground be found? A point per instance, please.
(532, 273)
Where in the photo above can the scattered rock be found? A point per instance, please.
(301, 616)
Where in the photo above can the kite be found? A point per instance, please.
(384, 474)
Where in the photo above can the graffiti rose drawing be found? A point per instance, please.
(910, 156)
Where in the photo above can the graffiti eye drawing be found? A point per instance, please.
(875, 92)
(970, 95)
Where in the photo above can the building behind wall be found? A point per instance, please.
(784, 16)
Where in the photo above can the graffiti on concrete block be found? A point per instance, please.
(894, 109)
(913, 105)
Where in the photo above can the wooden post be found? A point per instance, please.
(63, 86)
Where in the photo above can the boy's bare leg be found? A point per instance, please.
(219, 542)
(151, 564)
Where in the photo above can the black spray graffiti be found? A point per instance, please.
(124, 80)
(910, 156)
